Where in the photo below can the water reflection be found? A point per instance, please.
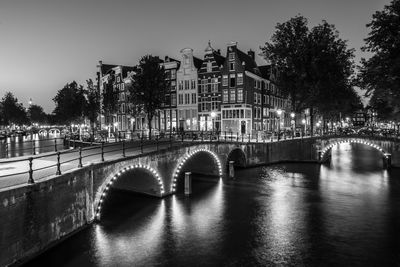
(343, 214)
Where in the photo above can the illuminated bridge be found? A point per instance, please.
(60, 193)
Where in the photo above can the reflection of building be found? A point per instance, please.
(209, 90)
(187, 90)
(115, 76)
(168, 112)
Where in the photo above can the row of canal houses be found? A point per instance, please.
(217, 93)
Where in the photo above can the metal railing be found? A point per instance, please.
(29, 169)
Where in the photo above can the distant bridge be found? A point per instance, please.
(59, 193)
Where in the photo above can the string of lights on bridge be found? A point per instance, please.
(188, 156)
(116, 176)
(326, 149)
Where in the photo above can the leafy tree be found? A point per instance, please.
(92, 107)
(12, 111)
(70, 103)
(315, 66)
(36, 114)
(148, 87)
(380, 74)
(110, 99)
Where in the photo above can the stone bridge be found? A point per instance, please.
(36, 216)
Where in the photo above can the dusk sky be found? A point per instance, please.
(45, 44)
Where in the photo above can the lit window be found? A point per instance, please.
(225, 96)
(233, 95)
(225, 80)
(240, 78)
(240, 95)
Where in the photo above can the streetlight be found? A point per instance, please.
(293, 122)
(303, 121)
(213, 115)
(279, 112)
(115, 126)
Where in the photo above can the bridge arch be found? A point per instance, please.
(42, 131)
(54, 131)
(238, 156)
(105, 188)
(188, 156)
(325, 150)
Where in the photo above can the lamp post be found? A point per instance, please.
(115, 127)
(303, 121)
(213, 115)
(279, 113)
(293, 122)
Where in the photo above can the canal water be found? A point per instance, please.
(344, 214)
(17, 146)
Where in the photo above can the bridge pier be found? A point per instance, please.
(231, 170)
(387, 161)
(188, 183)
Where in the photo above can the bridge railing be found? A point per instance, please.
(29, 169)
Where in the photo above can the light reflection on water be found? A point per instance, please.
(343, 214)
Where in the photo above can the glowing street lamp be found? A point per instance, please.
(279, 113)
(303, 121)
(213, 115)
(293, 122)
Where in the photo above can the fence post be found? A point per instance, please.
(102, 151)
(33, 147)
(55, 144)
(6, 149)
(80, 158)
(30, 180)
(58, 172)
(123, 148)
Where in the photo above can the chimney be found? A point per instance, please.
(251, 54)
(166, 59)
(219, 51)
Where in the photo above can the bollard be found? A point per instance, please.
(30, 180)
(123, 148)
(80, 158)
(102, 151)
(231, 170)
(55, 145)
(58, 172)
(188, 183)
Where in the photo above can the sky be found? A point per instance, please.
(45, 44)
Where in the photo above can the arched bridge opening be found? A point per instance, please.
(325, 153)
(238, 157)
(199, 162)
(134, 178)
